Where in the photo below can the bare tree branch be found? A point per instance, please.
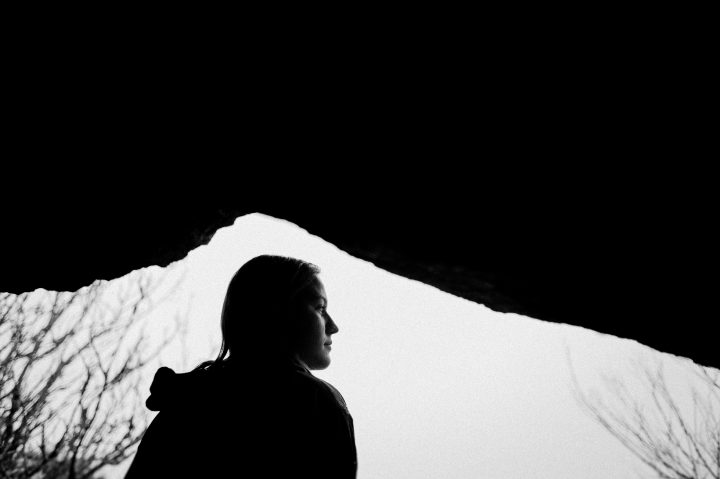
(71, 366)
(674, 442)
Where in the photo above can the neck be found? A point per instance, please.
(296, 359)
(282, 362)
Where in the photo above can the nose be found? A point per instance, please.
(331, 327)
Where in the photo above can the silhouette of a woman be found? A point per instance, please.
(256, 410)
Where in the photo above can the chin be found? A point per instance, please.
(319, 364)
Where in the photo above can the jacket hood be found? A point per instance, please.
(170, 389)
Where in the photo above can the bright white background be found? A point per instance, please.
(439, 387)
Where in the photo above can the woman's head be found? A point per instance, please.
(275, 308)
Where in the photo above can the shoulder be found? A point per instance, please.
(326, 393)
(334, 394)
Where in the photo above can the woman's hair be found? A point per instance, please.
(256, 315)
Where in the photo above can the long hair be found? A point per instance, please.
(257, 311)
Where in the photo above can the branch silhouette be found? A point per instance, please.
(675, 441)
(71, 365)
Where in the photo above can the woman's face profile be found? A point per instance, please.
(315, 326)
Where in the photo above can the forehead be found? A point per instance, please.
(315, 290)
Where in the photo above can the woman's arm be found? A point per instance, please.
(337, 436)
(158, 454)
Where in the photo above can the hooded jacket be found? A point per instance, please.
(281, 422)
